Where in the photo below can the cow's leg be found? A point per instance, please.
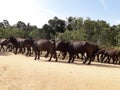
(73, 58)
(115, 60)
(30, 52)
(38, 55)
(59, 53)
(70, 57)
(102, 59)
(2, 48)
(35, 55)
(90, 59)
(55, 55)
(16, 50)
(8, 48)
(98, 58)
(23, 50)
(83, 56)
(46, 55)
(64, 55)
(27, 52)
(109, 60)
(50, 57)
(86, 59)
(78, 57)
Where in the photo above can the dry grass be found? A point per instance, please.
(18, 72)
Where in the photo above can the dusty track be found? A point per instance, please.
(18, 72)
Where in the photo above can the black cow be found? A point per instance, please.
(75, 47)
(16, 43)
(44, 45)
(28, 45)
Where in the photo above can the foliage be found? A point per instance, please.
(74, 28)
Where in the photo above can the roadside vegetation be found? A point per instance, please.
(73, 28)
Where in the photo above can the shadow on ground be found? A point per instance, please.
(5, 53)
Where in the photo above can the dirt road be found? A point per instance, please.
(18, 72)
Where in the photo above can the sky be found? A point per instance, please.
(38, 12)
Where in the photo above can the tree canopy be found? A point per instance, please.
(73, 28)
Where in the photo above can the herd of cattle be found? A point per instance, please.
(87, 50)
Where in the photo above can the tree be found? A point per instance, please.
(21, 25)
(47, 31)
(30, 27)
(57, 25)
(1, 25)
(74, 23)
(6, 23)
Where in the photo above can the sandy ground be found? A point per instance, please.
(18, 72)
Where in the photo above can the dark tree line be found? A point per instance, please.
(74, 28)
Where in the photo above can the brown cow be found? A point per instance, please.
(75, 47)
(16, 43)
(111, 54)
(44, 45)
(101, 52)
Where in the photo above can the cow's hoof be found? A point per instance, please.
(84, 62)
(89, 63)
(55, 60)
